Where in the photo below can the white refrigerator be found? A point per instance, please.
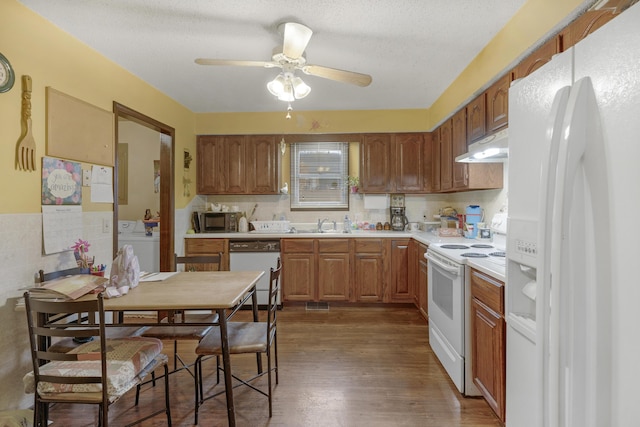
(573, 291)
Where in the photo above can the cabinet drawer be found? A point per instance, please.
(369, 246)
(296, 245)
(488, 290)
(333, 245)
(205, 246)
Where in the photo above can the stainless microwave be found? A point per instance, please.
(218, 222)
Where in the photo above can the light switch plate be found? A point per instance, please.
(86, 178)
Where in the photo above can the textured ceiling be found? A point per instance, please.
(413, 49)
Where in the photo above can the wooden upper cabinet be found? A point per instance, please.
(408, 162)
(208, 162)
(262, 164)
(459, 133)
(427, 162)
(538, 58)
(476, 119)
(375, 164)
(436, 148)
(392, 163)
(237, 164)
(446, 159)
(584, 25)
(498, 104)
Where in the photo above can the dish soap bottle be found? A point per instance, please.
(243, 226)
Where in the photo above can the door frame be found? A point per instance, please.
(167, 191)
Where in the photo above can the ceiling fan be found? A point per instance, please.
(287, 86)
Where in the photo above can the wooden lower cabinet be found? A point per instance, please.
(488, 343)
(334, 272)
(422, 281)
(400, 287)
(369, 270)
(208, 247)
(299, 269)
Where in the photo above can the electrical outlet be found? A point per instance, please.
(106, 225)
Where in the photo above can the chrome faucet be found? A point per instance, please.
(320, 223)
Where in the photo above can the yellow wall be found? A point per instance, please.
(53, 58)
(532, 23)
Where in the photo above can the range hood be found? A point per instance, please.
(492, 149)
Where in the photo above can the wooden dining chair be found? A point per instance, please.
(67, 344)
(244, 338)
(98, 372)
(174, 332)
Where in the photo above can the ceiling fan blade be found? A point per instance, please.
(296, 38)
(265, 64)
(338, 75)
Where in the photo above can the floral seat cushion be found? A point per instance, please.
(127, 359)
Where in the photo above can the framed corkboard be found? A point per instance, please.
(78, 130)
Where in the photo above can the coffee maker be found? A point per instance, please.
(398, 218)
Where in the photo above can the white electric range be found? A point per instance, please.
(449, 292)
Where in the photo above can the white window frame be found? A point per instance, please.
(330, 179)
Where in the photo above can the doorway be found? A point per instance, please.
(166, 169)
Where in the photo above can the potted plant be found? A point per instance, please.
(353, 182)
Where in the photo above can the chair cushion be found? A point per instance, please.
(183, 332)
(127, 358)
(244, 337)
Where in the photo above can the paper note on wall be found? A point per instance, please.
(61, 227)
(102, 184)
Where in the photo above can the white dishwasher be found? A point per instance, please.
(255, 254)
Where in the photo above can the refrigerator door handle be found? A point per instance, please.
(546, 234)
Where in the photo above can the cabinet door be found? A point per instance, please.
(427, 161)
(459, 146)
(537, 59)
(208, 165)
(498, 104)
(436, 159)
(262, 165)
(400, 289)
(488, 355)
(476, 119)
(208, 247)
(369, 277)
(446, 161)
(333, 277)
(423, 286)
(298, 277)
(586, 24)
(375, 163)
(234, 164)
(408, 160)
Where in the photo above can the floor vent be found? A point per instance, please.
(317, 306)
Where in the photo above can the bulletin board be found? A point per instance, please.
(78, 130)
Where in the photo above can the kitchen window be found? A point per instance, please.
(319, 176)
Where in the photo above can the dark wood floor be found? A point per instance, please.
(348, 366)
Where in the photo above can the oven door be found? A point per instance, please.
(446, 315)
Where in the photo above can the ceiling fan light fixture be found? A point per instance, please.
(287, 93)
(300, 88)
(276, 86)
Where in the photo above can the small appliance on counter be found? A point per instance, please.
(218, 222)
(399, 219)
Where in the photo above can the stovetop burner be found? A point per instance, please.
(500, 254)
(454, 247)
(482, 246)
(474, 255)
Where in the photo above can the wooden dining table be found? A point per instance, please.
(223, 291)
